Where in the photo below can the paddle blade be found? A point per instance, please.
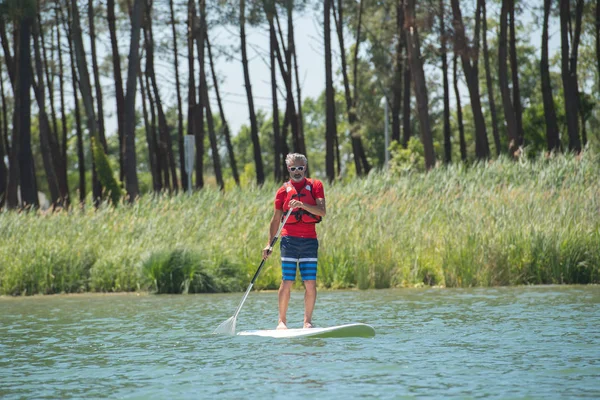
(226, 328)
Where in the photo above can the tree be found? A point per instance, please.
(514, 141)
(443, 55)
(569, 52)
(552, 136)
(330, 126)
(488, 81)
(260, 175)
(418, 76)
(470, 59)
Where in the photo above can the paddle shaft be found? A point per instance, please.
(273, 241)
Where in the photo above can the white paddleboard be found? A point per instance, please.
(340, 331)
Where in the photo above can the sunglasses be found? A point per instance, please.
(301, 168)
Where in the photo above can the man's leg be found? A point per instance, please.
(310, 297)
(284, 299)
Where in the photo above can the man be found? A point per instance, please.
(299, 244)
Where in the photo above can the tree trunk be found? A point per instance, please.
(96, 72)
(44, 125)
(509, 111)
(515, 74)
(286, 73)
(350, 101)
(77, 112)
(470, 60)
(133, 65)
(191, 127)
(165, 137)
(119, 94)
(597, 32)
(49, 73)
(489, 82)
(293, 59)
(330, 125)
(150, 138)
(406, 105)
(179, 103)
(398, 66)
(459, 116)
(212, 137)
(23, 109)
(260, 175)
(418, 76)
(278, 173)
(200, 29)
(444, 55)
(226, 133)
(552, 133)
(3, 145)
(569, 73)
(61, 81)
(8, 59)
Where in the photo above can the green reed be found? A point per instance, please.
(497, 223)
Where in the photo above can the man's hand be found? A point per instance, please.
(266, 252)
(296, 204)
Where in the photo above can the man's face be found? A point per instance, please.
(297, 170)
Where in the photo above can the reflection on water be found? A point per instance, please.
(535, 342)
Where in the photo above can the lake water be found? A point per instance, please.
(523, 342)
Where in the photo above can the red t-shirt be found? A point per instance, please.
(299, 229)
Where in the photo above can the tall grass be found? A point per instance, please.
(497, 223)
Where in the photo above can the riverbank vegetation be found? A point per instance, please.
(496, 223)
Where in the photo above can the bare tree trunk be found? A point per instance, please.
(293, 59)
(4, 151)
(459, 115)
(286, 73)
(406, 105)
(9, 61)
(165, 137)
(97, 83)
(597, 34)
(212, 137)
(515, 73)
(200, 29)
(489, 82)
(119, 94)
(552, 133)
(133, 65)
(509, 111)
(49, 73)
(44, 125)
(29, 195)
(77, 112)
(444, 55)
(569, 71)
(273, 49)
(330, 125)
(179, 102)
(150, 138)
(350, 101)
(413, 47)
(470, 61)
(398, 67)
(226, 133)
(191, 127)
(260, 175)
(61, 81)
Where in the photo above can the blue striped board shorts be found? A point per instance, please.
(299, 253)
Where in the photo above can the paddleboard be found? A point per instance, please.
(340, 331)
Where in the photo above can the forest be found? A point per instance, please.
(462, 82)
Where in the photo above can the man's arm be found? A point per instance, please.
(319, 209)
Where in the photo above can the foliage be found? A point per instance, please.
(493, 223)
(105, 174)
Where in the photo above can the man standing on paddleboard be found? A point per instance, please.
(299, 244)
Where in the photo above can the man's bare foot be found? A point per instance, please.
(308, 325)
(282, 325)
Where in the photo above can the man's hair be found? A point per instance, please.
(293, 157)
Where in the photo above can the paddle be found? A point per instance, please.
(228, 327)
